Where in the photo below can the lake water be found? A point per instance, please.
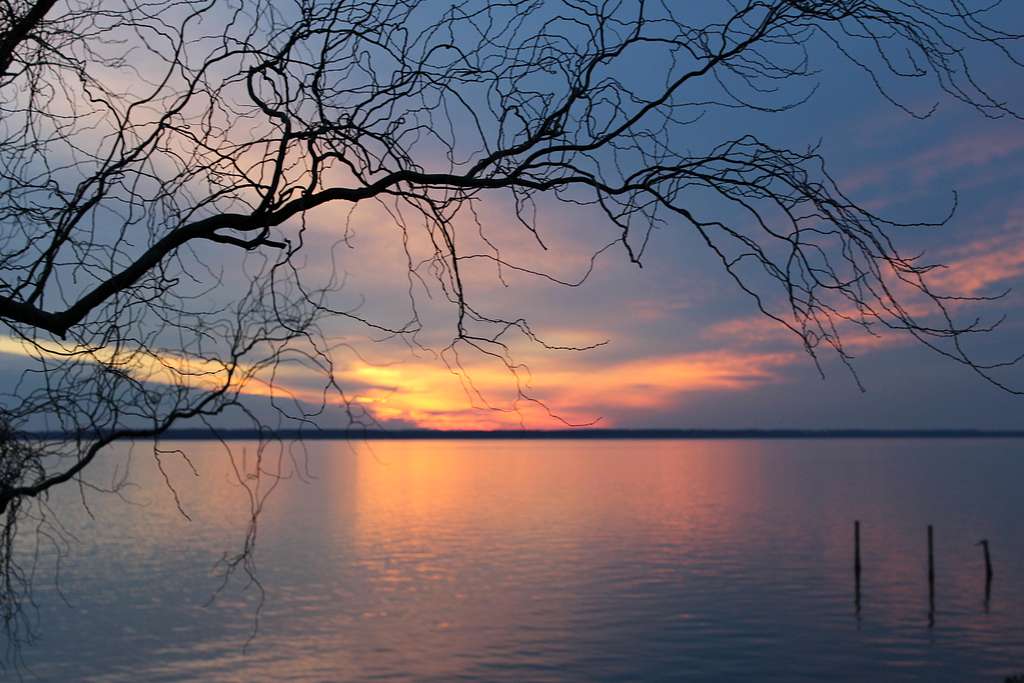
(541, 561)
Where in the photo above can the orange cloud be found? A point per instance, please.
(485, 396)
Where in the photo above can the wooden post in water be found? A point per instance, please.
(931, 578)
(856, 548)
(856, 563)
(931, 557)
(988, 560)
(988, 571)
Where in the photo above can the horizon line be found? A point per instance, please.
(354, 434)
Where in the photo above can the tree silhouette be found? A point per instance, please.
(158, 162)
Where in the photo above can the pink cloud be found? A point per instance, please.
(977, 267)
(965, 149)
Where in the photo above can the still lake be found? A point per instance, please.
(528, 560)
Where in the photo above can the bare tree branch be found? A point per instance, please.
(159, 164)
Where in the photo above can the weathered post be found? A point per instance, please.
(988, 560)
(931, 557)
(856, 563)
(931, 578)
(988, 571)
(856, 548)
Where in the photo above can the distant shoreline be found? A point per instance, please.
(567, 434)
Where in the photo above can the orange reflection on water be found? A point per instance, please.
(462, 543)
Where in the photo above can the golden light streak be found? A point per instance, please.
(431, 395)
(146, 366)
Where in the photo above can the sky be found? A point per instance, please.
(681, 345)
(686, 349)
(676, 344)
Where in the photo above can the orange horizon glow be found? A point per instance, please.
(482, 397)
(558, 389)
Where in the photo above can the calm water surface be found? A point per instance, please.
(542, 561)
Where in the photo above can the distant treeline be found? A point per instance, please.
(589, 433)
